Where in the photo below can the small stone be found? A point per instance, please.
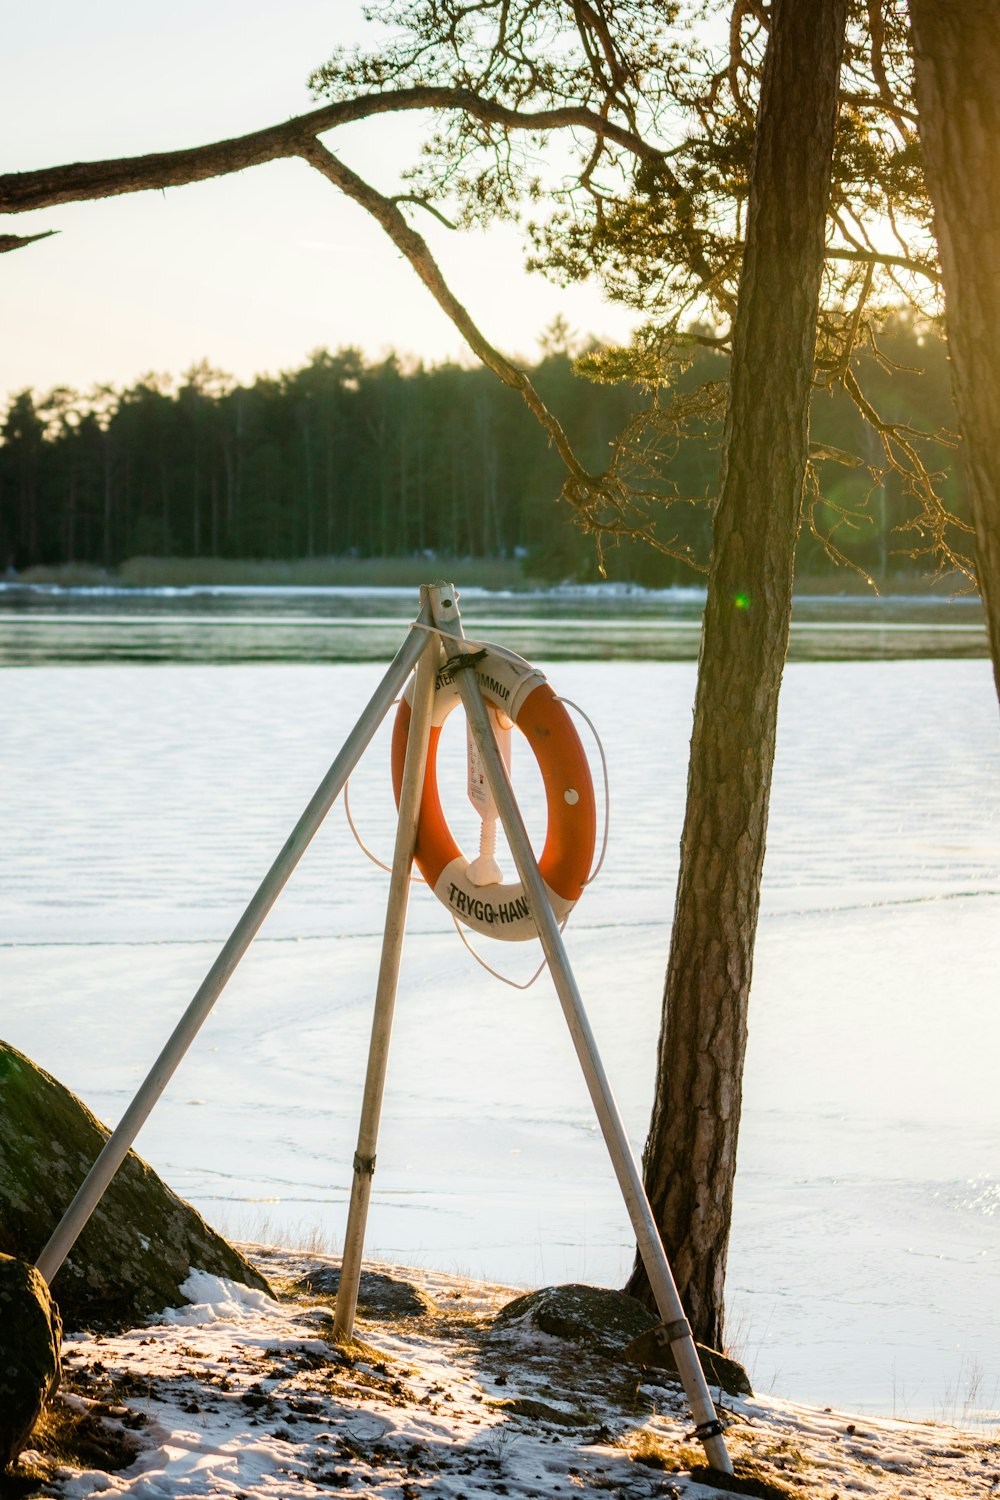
(30, 1339)
(379, 1296)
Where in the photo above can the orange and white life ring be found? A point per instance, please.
(513, 687)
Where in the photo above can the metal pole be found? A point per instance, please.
(385, 993)
(117, 1146)
(626, 1169)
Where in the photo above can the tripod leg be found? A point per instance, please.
(626, 1169)
(117, 1146)
(385, 993)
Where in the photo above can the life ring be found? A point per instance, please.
(511, 685)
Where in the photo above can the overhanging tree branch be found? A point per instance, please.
(604, 502)
(22, 192)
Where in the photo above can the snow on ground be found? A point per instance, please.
(240, 1395)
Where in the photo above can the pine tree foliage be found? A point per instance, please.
(620, 132)
(653, 208)
(351, 457)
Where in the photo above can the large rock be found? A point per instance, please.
(142, 1240)
(593, 1315)
(30, 1339)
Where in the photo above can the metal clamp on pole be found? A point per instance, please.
(669, 1333)
(706, 1430)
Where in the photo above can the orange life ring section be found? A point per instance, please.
(512, 685)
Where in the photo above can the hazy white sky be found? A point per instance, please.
(251, 272)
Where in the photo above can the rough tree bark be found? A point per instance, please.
(957, 64)
(690, 1157)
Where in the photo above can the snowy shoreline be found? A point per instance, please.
(238, 1394)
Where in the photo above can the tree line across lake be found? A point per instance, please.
(349, 457)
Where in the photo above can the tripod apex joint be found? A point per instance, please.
(463, 661)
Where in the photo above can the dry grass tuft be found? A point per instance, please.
(83, 1434)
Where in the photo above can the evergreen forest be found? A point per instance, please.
(351, 458)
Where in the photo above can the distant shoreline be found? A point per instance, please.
(491, 574)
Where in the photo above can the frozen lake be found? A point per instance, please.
(47, 625)
(141, 804)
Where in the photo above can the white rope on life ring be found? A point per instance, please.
(511, 686)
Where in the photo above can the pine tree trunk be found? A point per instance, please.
(957, 61)
(690, 1158)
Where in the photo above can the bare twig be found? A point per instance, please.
(18, 241)
(423, 202)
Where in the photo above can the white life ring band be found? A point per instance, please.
(510, 684)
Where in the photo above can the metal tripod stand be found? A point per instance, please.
(438, 618)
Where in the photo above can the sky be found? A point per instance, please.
(251, 272)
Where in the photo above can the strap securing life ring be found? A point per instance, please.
(514, 687)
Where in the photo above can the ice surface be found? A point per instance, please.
(141, 805)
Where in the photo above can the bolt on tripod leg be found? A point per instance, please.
(118, 1144)
(613, 1128)
(385, 993)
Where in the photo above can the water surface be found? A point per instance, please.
(142, 803)
(40, 625)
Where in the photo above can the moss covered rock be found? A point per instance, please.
(142, 1240)
(592, 1315)
(653, 1348)
(30, 1339)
